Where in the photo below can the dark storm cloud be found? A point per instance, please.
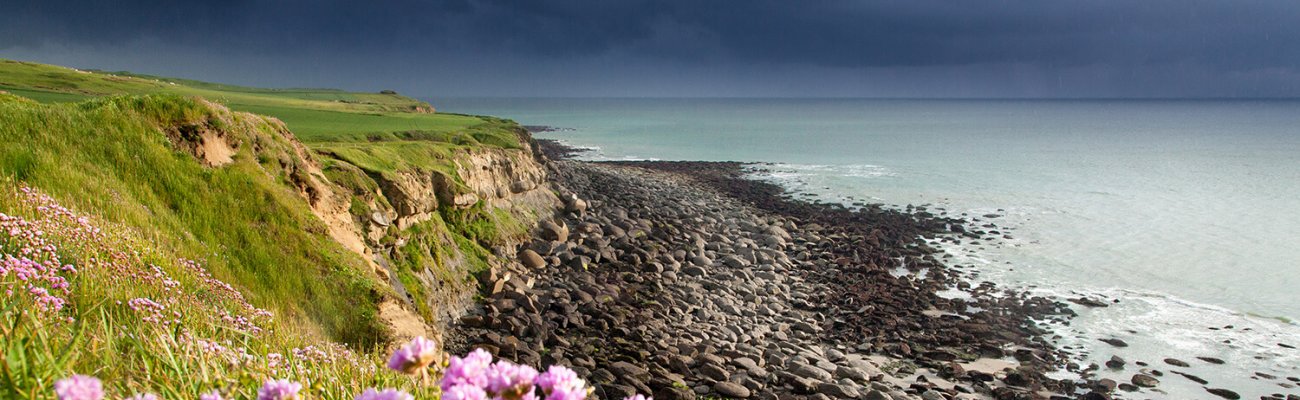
(1120, 42)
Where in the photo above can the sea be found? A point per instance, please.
(1183, 215)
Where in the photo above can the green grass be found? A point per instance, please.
(97, 332)
(252, 229)
(315, 115)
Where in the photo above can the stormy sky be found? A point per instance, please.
(762, 48)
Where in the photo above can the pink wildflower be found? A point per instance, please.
(510, 381)
(470, 370)
(464, 392)
(213, 395)
(386, 394)
(281, 389)
(414, 356)
(561, 383)
(79, 387)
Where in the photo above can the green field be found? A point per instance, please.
(315, 115)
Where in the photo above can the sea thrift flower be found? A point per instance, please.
(464, 392)
(414, 356)
(143, 396)
(386, 394)
(281, 389)
(560, 383)
(470, 370)
(213, 395)
(79, 387)
(508, 380)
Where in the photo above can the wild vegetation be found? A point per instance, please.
(135, 254)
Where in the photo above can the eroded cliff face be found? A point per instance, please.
(426, 233)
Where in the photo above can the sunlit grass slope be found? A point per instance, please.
(113, 155)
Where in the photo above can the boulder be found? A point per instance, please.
(1144, 380)
(531, 259)
(554, 231)
(730, 389)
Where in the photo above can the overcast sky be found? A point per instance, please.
(904, 48)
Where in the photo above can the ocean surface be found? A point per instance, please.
(1187, 212)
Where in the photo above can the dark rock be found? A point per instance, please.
(1193, 378)
(1176, 362)
(714, 372)
(1211, 360)
(1144, 380)
(877, 395)
(1095, 396)
(624, 368)
(1115, 342)
(837, 391)
(1224, 393)
(1115, 362)
(1105, 385)
(616, 391)
(1084, 301)
(673, 393)
(730, 389)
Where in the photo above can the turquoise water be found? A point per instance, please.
(1188, 212)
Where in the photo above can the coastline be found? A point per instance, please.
(737, 290)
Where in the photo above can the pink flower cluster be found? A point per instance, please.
(279, 389)
(476, 377)
(149, 310)
(414, 357)
(37, 271)
(30, 265)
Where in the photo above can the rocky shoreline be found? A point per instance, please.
(685, 280)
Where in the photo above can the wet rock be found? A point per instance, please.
(1144, 380)
(1105, 385)
(1087, 302)
(1115, 362)
(1192, 378)
(1115, 342)
(1211, 360)
(1224, 393)
(1176, 362)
